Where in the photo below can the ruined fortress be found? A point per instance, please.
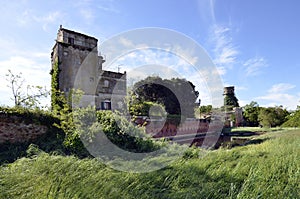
(81, 67)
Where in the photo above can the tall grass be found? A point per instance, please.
(267, 170)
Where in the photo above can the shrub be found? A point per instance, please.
(118, 130)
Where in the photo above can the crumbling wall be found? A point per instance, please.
(13, 129)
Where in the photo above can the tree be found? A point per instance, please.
(146, 108)
(293, 120)
(272, 116)
(250, 114)
(31, 97)
(206, 109)
(203, 110)
(231, 101)
(178, 96)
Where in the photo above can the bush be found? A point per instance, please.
(293, 120)
(117, 129)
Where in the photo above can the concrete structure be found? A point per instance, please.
(80, 67)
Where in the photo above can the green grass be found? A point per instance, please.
(258, 129)
(267, 170)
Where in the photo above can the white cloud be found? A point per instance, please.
(255, 65)
(126, 42)
(87, 14)
(225, 52)
(221, 70)
(28, 17)
(49, 17)
(282, 87)
(278, 95)
(110, 8)
(34, 67)
(243, 102)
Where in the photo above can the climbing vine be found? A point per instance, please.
(58, 101)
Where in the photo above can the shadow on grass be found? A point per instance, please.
(243, 133)
(242, 141)
(255, 141)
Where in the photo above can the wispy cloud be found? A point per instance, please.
(88, 14)
(225, 52)
(88, 8)
(212, 10)
(282, 87)
(29, 17)
(207, 10)
(109, 8)
(279, 94)
(241, 88)
(255, 65)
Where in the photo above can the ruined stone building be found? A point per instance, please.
(236, 112)
(80, 67)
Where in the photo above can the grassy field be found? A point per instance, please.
(270, 169)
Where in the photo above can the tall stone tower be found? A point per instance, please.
(229, 97)
(80, 67)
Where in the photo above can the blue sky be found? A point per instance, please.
(254, 44)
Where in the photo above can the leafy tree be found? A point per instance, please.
(272, 116)
(31, 97)
(146, 108)
(203, 110)
(293, 120)
(250, 114)
(206, 109)
(178, 96)
(231, 101)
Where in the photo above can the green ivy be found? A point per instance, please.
(58, 100)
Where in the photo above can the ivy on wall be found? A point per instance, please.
(58, 99)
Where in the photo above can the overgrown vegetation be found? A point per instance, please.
(121, 132)
(65, 129)
(293, 120)
(146, 108)
(267, 170)
(50, 142)
(254, 115)
(272, 116)
(230, 101)
(178, 96)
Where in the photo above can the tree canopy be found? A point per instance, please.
(250, 114)
(272, 116)
(178, 96)
(230, 100)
